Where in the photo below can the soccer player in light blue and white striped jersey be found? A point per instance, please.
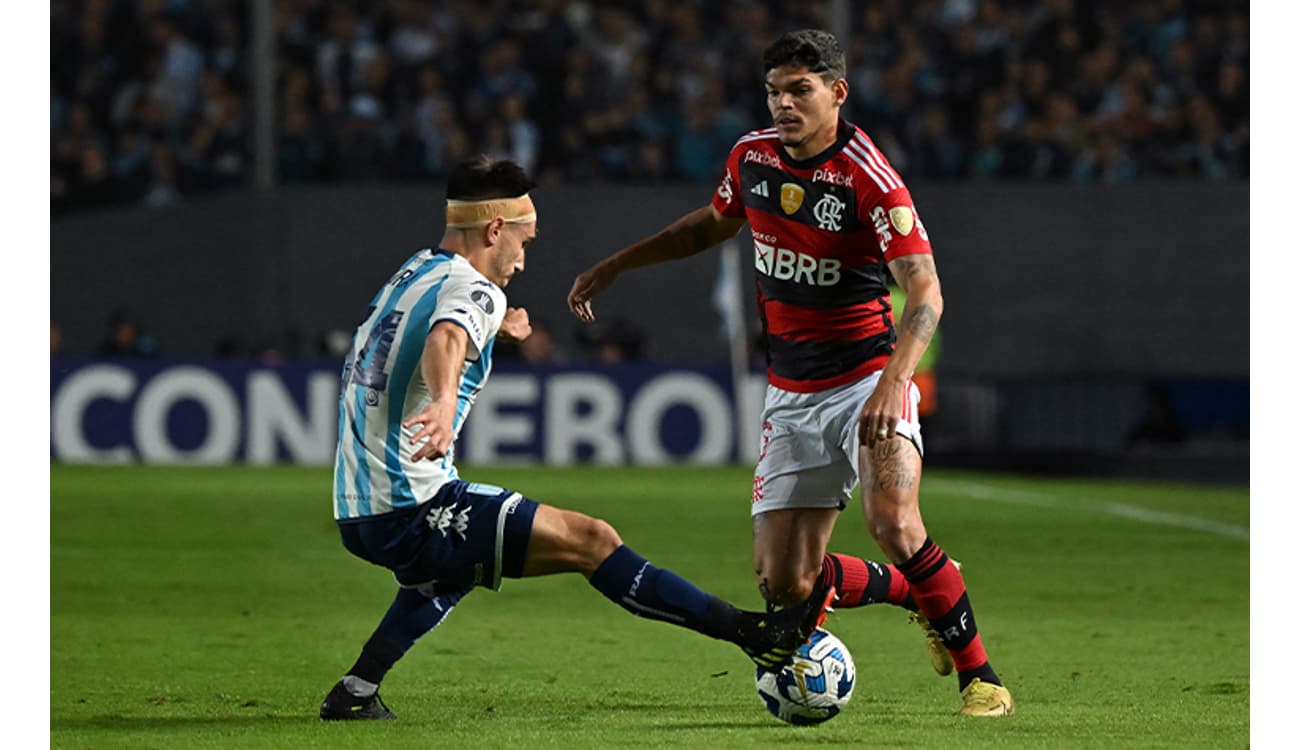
(418, 359)
(376, 470)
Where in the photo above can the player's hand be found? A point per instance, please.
(515, 325)
(880, 414)
(589, 283)
(433, 431)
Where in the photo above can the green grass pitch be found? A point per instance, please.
(213, 608)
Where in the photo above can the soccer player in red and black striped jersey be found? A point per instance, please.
(830, 219)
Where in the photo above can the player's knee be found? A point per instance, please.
(594, 540)
(896, 534)
(785, 590)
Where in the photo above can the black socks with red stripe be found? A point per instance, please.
(940, 593)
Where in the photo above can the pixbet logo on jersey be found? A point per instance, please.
(784, 264)
(762, 157)
(833, 178)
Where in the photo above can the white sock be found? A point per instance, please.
(359, 687)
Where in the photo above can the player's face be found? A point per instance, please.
(509, 257)
(804, 108)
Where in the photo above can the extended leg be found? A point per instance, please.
(564, 541)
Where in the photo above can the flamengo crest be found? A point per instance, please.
(829, 213)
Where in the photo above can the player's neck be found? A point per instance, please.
(453, 241)
(818, 143)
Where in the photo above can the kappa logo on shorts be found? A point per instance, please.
(758, 489)
(442, 519)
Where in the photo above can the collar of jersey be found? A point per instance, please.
(844, 133)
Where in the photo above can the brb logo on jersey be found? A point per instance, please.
(783, 264)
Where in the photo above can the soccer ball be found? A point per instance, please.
(815, 686)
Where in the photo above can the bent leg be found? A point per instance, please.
(413, 613)
(790, 558)
(890, 497)
(789, 547)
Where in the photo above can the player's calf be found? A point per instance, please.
(940, 593)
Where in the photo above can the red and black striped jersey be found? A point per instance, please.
(823, 229)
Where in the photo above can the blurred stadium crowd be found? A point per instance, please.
(151, 99)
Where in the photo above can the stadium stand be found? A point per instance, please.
(150, 99)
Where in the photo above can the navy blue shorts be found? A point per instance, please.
(467, 535)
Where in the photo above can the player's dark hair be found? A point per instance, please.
(482, 177)
(814, 49)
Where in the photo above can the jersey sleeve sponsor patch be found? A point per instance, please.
(474, 304)
(727, 200)
(899, 230)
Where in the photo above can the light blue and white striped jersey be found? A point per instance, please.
(382, 384)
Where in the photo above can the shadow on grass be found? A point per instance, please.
(697, 725)
(133, 723)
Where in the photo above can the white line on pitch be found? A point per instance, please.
(1123, 510)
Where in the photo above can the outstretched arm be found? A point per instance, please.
(695, 232)
(917, 276)
(441, 364)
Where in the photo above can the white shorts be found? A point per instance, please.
(809, 456)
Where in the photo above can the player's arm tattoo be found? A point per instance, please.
(919, 319)
(893, 465)
(908, 267)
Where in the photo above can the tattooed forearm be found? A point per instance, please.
(909, 266)
(921, 321)
(893, 465)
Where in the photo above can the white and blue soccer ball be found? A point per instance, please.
(815, 686)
